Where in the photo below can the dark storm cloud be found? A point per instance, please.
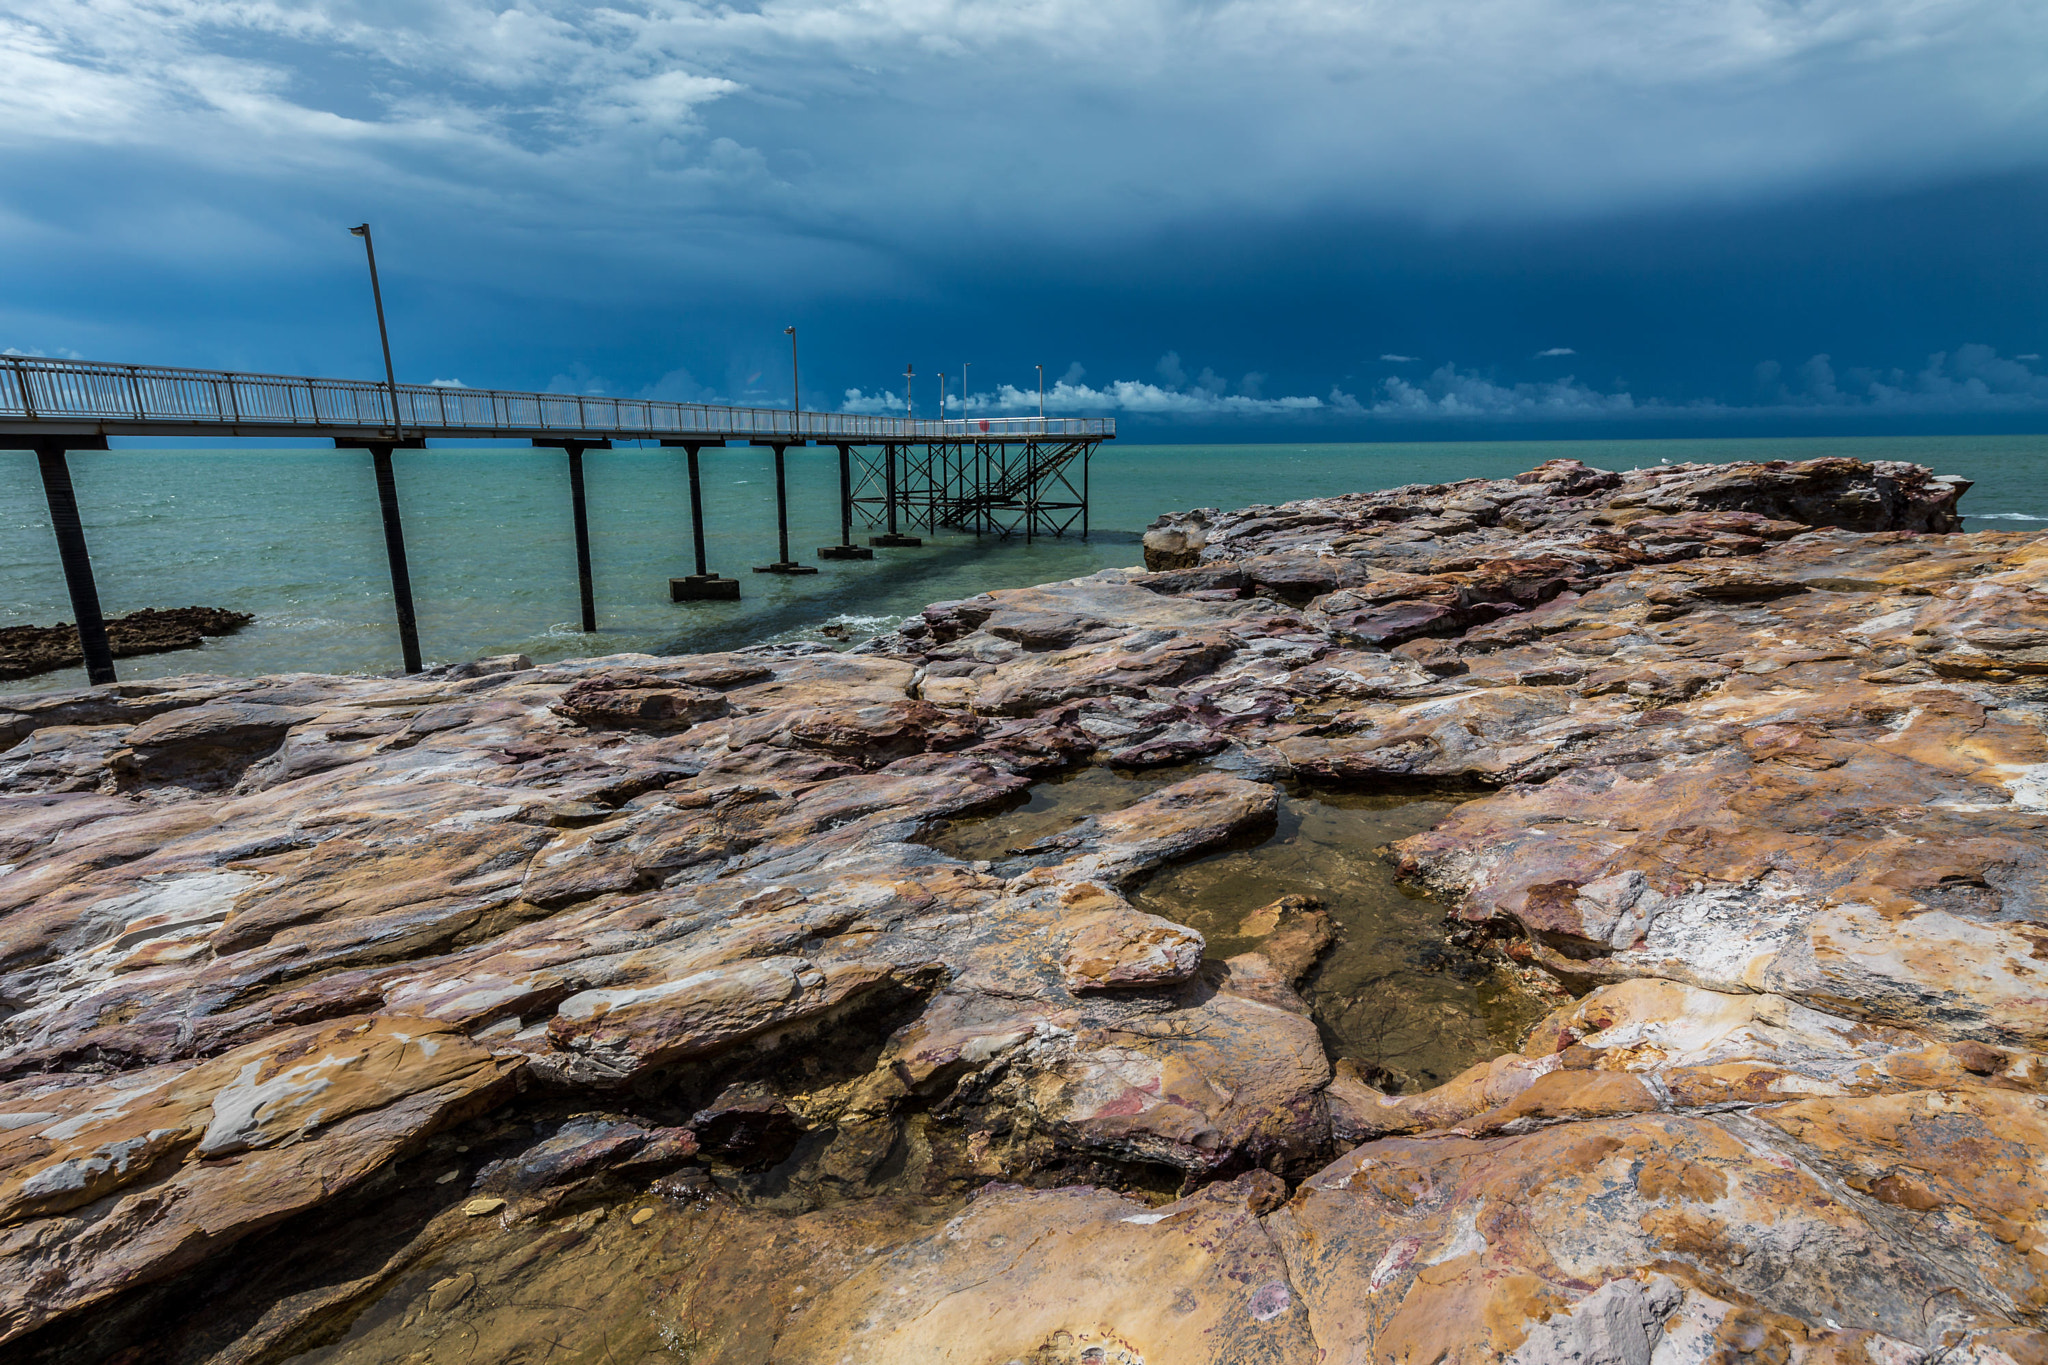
(1287, 195)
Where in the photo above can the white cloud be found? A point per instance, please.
(1454, 394)
(447, 383)
(1555, 350)
(1129, 396)
(887, 403)
(2029, 356)
(1398, 359)
(821, 112)
(1971, 379)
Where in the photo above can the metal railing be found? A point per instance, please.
(35, 390)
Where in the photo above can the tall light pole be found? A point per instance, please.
(909, 393)
(1041, 393)
(362, 230)
(794, 390)
(965, 366)
(942, 396)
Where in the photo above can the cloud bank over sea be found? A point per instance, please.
(1972, 380)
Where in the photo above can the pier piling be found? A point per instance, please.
(783, 563)
(845, 549)
(394, 544)
(893, 537)
(51, 459)
(579, 513)
(703, 585)
(585, 588)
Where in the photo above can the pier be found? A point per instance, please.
(1003, 476)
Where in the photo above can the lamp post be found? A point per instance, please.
(909, 393)
(942, 396)
(794, 390)
(784, 564)
(362, 230)
(1041, 393)
(965, 366)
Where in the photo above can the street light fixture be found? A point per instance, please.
(794, 390)
(786, 565)
(362, 230)
(1041, 393)
(942, 396)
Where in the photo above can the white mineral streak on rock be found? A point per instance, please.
(1464, 1239)
(1620, 1323)
(1722, 937)
(2028, 783)
(764, 981)
(1397, 1259)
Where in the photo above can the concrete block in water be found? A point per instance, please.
(703, 587)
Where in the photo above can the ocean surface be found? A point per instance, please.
(293, 537)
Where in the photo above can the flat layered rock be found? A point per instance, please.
(627, 1002)
(115, 1183)
(1067, 1263)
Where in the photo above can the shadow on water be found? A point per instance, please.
(927, 573)
(1393, 994)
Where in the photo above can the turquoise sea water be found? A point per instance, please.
(293, 537)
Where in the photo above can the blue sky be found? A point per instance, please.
(1211, 220)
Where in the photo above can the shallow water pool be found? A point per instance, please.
(1393, 994)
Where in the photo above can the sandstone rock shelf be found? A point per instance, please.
(624, 1009)
(26, 651)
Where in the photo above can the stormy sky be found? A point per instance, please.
(1213, 220)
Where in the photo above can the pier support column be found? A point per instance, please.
(85, 594)
(394, 550)
(845, 549)
(1086, 452)
(394, 539)
(580, 514)
(585, 588)
(892, 539)
(784, 564)
(703, 585)
(1031, 491)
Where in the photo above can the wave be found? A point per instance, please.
(2002, 516)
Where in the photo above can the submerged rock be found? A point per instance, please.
(28, 650)
(336, 1009)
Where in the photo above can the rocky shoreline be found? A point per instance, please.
(26, 651)
(631, 1009)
